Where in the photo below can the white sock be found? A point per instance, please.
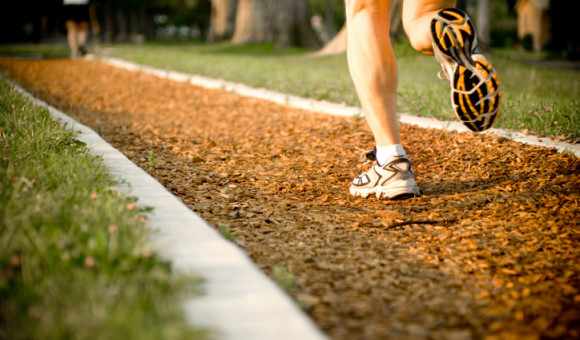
(384, 152)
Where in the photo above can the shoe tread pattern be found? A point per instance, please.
(476, 91)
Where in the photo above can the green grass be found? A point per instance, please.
(542, 100)
(285, 279)
(226, 232)
(35, 51)
(74, 261)
(553, 94)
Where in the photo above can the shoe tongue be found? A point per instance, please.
(371, 155)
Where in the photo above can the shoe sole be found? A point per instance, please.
(390, 192)
(475, 88)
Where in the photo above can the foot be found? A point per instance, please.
(392, 180)
(83, 49)
(475, 88)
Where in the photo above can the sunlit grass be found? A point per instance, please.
(553, 94)
(538, 99)
(74, 257)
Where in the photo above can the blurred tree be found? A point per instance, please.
(335, 46)
(252, 24)
(338, 44)
(30, 21)
(396, 27)
(287, 23)
(126, 20)
(482, 23)
(329, 17)
(504, 26)
(185, 13)
(293, 25)
(223, 20)
(332, 13)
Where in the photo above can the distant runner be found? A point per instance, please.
(76, 14)
(433, 28)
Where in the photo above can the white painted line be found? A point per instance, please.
(343, 110)
(239, 301)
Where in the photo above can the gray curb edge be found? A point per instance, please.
(332, 108)
(239, 301)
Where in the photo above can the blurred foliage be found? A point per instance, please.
(182, 12)
(37, 20)
(320, 7)
(504, 25)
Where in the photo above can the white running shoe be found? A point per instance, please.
(393, 180)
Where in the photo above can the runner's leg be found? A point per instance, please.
(372, 66)
(71, 33)
(83, 33)
(373, 70)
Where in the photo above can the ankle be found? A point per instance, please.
(382, 153)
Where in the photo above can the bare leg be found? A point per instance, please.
(82, 33)
(372, 66)
(71, 29)
(417, 16)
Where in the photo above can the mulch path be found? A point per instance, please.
(490, 251)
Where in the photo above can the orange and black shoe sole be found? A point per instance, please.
(475, 88)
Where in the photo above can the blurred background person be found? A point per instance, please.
(77, 23)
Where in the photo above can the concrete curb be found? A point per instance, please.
(239, 301)
(332, 108)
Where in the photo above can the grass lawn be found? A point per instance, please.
(35, 50)
(74, 261)
(544, 101)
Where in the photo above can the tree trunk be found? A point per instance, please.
(329, 18)
(285, 22)
(293, 25)
(396, 20)
(109, 22)
(122, 25)
(223, 20)
(136, 35)
(250, 22)
(483, 9)
(147, 23)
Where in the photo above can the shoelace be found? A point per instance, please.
(366, 155)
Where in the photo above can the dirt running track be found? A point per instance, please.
(490, 251)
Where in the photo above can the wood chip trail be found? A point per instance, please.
(499, 258)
